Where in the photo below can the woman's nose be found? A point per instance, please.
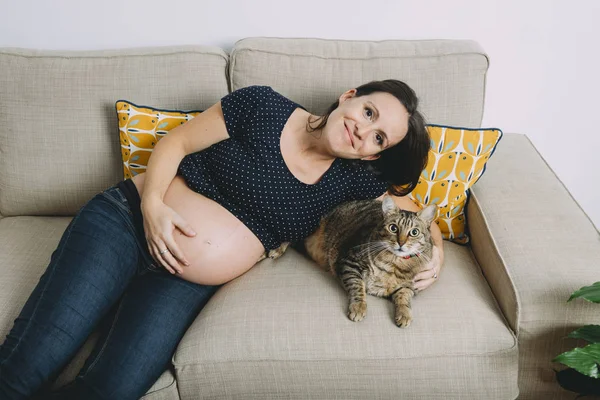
(360, 131)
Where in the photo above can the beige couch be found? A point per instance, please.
(486, 330)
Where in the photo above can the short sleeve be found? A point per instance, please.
(239, 106)
(367, 186)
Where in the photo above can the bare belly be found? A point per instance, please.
(223, 248)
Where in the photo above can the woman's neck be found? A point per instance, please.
(312, 145)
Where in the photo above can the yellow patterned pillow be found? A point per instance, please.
(140, 128)
(456, 161)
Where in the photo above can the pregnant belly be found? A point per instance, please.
(223, 248)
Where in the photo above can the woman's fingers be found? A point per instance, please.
(161, 258)
(423, 284)
(424, 279)
(174, 256)
(166, 259)
(186, 228)
(183, 226)
(159, 224)
(172, 263)
(178, 256)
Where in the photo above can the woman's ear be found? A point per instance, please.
(346, 95)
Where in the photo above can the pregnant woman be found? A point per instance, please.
(141, 259)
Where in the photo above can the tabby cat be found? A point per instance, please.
(374, 247)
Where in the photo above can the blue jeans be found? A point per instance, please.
(101, 271)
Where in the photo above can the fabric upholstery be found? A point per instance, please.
(58, 130)
(285, 321)
(448, 76)
(535, 246)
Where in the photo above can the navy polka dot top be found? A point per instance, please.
(247, 175)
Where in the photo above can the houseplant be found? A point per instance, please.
(583, 375)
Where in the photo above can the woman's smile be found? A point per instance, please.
(348, 134)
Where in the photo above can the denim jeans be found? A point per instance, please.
(101, 271)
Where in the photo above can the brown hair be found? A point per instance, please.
(400, 165)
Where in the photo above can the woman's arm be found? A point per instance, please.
(197, 134)
(426, 277)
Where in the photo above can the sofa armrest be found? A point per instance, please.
(535, 246)
(532, 240)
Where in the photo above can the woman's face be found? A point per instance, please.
(361, 127)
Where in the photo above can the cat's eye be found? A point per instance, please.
(393, 228)
(414, 232)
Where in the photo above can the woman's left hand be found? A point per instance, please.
(430, 272)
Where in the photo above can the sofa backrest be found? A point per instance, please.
(59, 136)
(447, 75)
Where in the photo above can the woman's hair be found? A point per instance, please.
(400, 165)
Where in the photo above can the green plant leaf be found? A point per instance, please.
(583, 359)
(590, 293)
(590, 333)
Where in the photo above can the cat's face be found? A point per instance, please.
(406, 233)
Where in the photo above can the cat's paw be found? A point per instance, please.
(404, 319)
(278, 252)
(357, 311)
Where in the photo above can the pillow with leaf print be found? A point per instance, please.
(140, 128)
(457, 159)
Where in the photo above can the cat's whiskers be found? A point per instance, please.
(369, 246)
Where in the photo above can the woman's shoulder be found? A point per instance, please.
(268, 96)
(251, 92)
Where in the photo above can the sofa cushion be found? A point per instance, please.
(25, 249)
(457, 159)
(284, 324)
(447, 75)
(140, 129)
(57, 123)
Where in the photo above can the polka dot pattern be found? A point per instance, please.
(247, 175)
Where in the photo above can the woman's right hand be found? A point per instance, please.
(160, 221)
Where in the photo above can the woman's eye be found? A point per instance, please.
(393, 228)
(414, 232)
(368, 113)
(379, 139)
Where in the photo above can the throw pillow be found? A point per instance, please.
(457, 159)
(140, 128)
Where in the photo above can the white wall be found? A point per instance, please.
(543, 79)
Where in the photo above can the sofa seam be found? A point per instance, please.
(161, 389)
(495, 299)
(7, 51)
(506, 269)
(485, 74)
(354, 40)
(362, 58)
(509, 350)
(278, 38)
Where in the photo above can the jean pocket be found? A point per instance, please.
(116, 196)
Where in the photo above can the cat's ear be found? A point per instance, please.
(428, 214)
(388, 205)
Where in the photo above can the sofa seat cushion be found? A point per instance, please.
(284, 324)
(25, 248)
